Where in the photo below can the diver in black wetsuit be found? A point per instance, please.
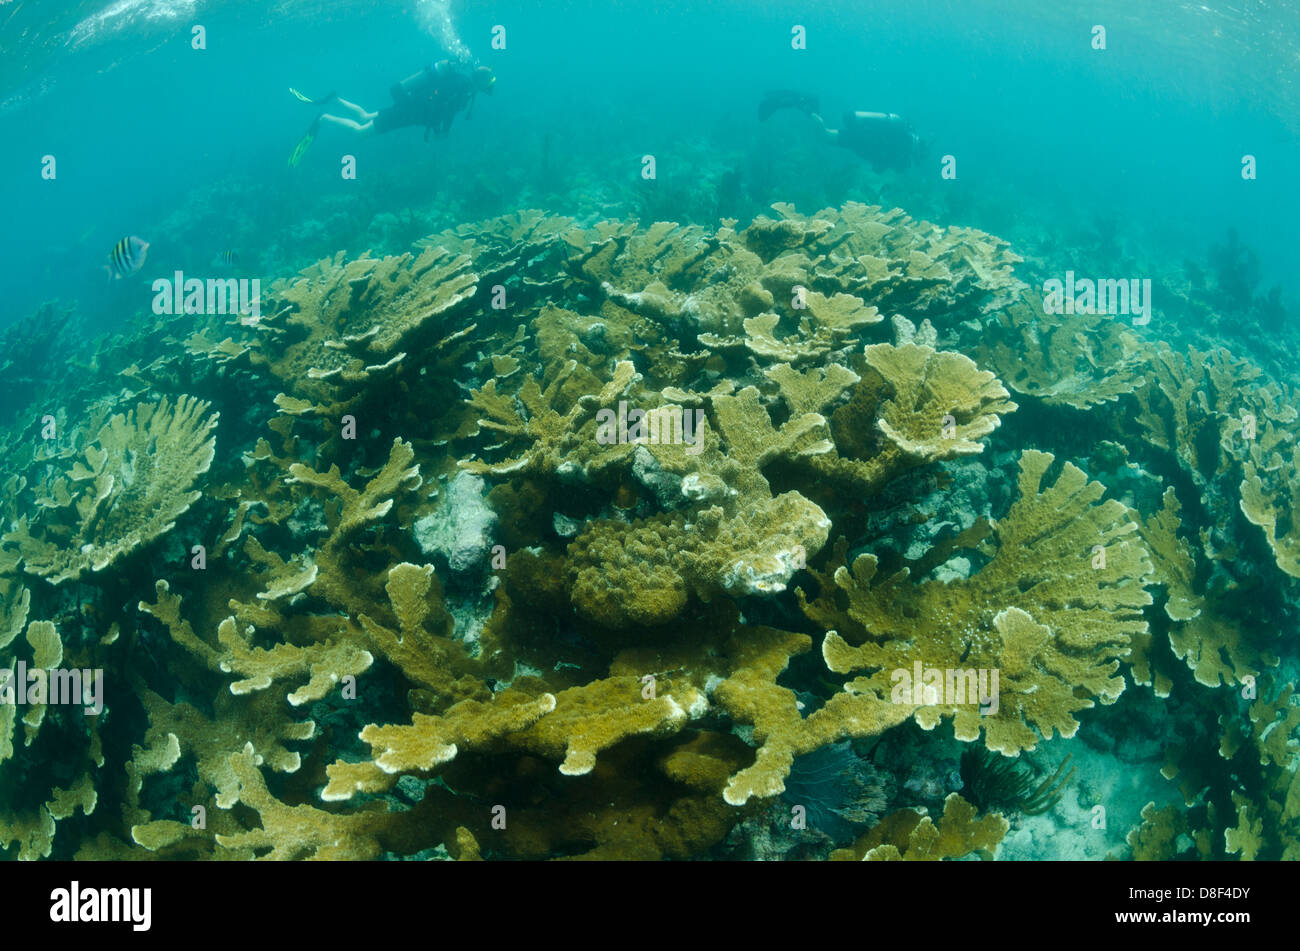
(432, 98)
(884, 139)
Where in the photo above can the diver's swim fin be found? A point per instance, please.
(304, 144)
(786, 99)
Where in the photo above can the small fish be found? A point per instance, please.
(226, 259)
(126, 258)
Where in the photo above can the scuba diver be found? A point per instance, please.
(432, 98)
(884, 139)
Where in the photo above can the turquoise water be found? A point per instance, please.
(1051, 135)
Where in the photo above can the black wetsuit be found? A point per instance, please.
(431, 98)
(886, 141)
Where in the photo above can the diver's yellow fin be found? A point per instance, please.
(301, 149)
(301, 97)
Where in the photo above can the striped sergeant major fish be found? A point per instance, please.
(226, 259)
(126, 258)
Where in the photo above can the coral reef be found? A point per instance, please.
(1046, 562)
(131, 484)
(909, 836)
(518, 544)
(1077, 362)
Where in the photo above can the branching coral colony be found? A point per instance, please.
(365, 576)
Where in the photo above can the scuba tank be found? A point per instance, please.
(412, 84)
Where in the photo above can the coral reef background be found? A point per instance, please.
(365, 579)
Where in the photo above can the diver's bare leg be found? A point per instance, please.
(362, 113)
(831, 135)
(350, 123)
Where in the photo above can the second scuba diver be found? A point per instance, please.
(884, 139)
